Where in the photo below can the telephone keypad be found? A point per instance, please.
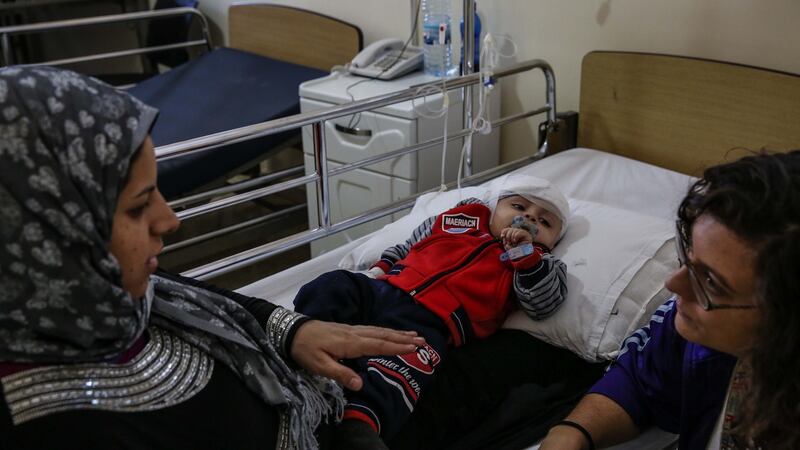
(386, 62)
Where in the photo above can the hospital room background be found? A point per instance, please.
(758, 33)
(610, 296)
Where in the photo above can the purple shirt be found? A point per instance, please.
(661, 379)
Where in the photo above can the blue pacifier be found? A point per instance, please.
(521, 223)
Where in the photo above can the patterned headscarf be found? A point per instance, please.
(66, 145)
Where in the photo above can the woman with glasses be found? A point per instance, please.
(719, 362)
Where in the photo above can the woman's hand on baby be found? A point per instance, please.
(318, 346)
(514, 237)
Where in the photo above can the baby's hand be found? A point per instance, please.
(513, 237)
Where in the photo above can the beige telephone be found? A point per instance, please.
(385, 59)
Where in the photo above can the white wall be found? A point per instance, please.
(376, 18)
(756, 32)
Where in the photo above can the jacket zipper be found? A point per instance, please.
(469, 259)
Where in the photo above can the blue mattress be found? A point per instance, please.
(218, 91)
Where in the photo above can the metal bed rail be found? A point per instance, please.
(322, 174)
(7, 32)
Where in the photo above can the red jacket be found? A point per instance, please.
(459, 266)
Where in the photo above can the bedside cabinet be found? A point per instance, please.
(351, 139)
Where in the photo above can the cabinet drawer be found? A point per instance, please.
(386, 133)
(353, 193)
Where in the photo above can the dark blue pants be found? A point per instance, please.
(392, 384)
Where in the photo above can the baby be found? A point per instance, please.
(455, 279)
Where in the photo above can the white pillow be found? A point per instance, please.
(639, 300)
(617, 261)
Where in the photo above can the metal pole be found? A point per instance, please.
(468, 67)
(264, 179)
(117, 54)
(550, 79)
(7, 58)
(414, 30)
(321, 165)
(112, 18)
(99, 20)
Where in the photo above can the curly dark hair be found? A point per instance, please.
(758, 198)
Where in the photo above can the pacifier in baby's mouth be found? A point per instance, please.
(523, 250)
(521, 223)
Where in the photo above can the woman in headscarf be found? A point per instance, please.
(95, 351)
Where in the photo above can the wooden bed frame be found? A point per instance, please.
(293, 35)
(685, 113)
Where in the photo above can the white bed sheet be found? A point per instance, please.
(280, 288)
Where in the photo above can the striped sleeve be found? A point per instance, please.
(542, 288)
(397, 252)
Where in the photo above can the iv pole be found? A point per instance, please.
(467, 67)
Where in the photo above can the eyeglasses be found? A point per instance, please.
(698, 286)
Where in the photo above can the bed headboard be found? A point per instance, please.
(293, 35)
(684, 113)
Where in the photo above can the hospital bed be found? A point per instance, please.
(642, 116)
(648, 124)
(254, 80)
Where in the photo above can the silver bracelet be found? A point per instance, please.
(278, 325)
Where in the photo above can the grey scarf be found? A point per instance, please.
(66, 144)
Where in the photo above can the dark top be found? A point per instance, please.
(661, 379)
(224, 414)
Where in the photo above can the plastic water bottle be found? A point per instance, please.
(436, 38)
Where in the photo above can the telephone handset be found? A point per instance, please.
(383, 60)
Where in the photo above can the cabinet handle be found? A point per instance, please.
(353, 131)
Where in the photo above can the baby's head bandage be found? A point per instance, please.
(536, 190)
